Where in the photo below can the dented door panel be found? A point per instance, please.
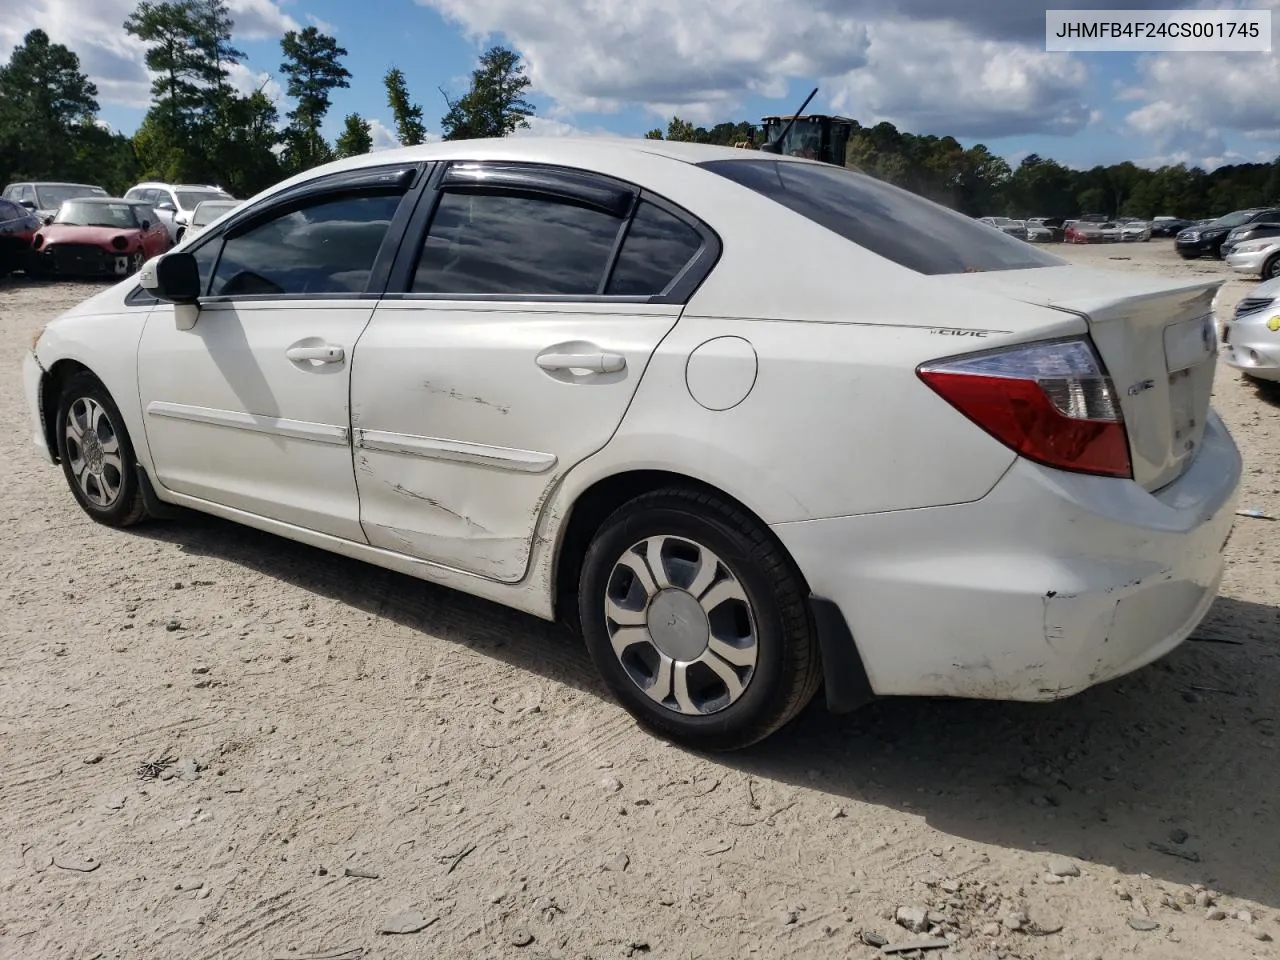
(466, 414)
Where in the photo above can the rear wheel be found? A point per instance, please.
(697, 620)
(97, 457)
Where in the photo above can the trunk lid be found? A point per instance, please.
(1156, 337)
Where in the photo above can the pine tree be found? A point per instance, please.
(407, 114)
(494, 106)
(313, 66)
(356, 137)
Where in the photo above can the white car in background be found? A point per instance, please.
(566, 376)
(174, 202)
(1135, 230)
(206, 212)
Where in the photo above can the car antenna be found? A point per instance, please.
(775, 146)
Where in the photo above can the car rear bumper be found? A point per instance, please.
(32, 374)
(1050, 584)
(1250, 263)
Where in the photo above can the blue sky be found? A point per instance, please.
(976, 70)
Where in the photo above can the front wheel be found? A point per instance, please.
(97, 457)
(1271, 269)
(697, 620)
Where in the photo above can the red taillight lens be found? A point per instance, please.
(1051, 402)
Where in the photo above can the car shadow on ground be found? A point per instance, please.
(1114, 775)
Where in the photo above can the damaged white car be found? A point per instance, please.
(759, 426)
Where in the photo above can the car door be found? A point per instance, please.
(249, 408)
(506, 349)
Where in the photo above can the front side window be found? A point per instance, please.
(512, 245)
(658, 247)
(328, 246)
(888, 221)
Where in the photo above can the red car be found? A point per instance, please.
(97, 237)
(17, 226)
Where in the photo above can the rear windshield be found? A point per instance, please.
(891, 222)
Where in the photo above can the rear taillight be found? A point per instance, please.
(1051, 402)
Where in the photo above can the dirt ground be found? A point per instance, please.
(324, 716)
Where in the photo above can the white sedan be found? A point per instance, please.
(757, 425)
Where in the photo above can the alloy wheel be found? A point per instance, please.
(93, 452)
(681, 625)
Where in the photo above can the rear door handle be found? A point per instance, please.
(595, 362)
(326, 353)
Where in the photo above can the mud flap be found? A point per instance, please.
(846, 686)
(156, 508)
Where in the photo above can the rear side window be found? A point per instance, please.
(10, 211)
(658, 247)
(328, 246)
(888, 221)
(515, 245)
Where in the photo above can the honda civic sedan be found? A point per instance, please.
(756, 426)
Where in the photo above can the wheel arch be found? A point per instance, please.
(844, 678)
(51, 383)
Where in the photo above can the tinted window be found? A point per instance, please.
(657, 247)
(327, 247)
(10, 211)
(501, 244)
(887, 220)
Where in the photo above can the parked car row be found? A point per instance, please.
(1248, 240)
(78, 230)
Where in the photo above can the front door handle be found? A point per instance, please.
(595, 362)
(326, 353)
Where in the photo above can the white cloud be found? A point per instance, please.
(1190, 101)
(246, 81)
(324, 26)
(384, 138)
(701, 60)
(675, 54)
(551, 127)
(936, 77)
(113, 59)
(260, 19)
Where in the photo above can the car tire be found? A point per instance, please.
(97, 456)
(746, 661)
(1271, 269)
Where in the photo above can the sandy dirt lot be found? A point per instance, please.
(327, 721)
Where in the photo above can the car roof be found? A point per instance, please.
(574, 149)
(50, 183)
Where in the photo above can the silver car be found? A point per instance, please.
(1252, 335)
(1258, 258)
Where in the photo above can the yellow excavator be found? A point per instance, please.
(815, 136)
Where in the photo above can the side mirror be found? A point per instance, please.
(175, 278)
(48, 220)
(29, 204)
(146, 224)
(166, 207)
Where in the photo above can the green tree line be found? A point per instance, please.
(200, 129)
(977, 182)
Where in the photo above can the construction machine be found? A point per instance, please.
(813, 136)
